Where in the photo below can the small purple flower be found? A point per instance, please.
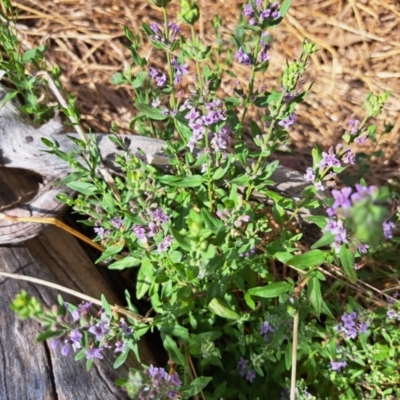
(363, 248)
(319, 186)
(159, 215)
(363, 327)
(117, 222)
(161, 79)
(265, 14)
(99, 331)
(99, 232)
(154, 27)
(125, 327)
(388, 228)
(340, 233)
(119, 346)
(55, 343)
(192, 115)
(341, 198)
(156, 102)
(353, 124)
(309, 176)
(360, 139)
(66, 348)
(338, 365)
(165, 244)
(242, 57)
(75, 335)
(248, 10)
(289, 121)
(140, 233)
(251, 375)
(362, 192)
(392, 314)
(349, 157)
(329, 159)
(95, 353)
(84, 307)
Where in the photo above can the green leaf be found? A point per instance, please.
(195, 386)
(139, 80)
(325, 240)
(126, 262)
(271, 290)
(121, 359)
(144, 278)
(176, 181)
(118, 79)
(242, 180)
(309, 259)
(314, 294)
(221, 171)
(172, 348)
(85, 188)
(48, 334)
(285, 7)
(318, 220)
(150, 112)
(109, 252)
(182, 240)
(106, 306)
(221, 308)
(347, 260)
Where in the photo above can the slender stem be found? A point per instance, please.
(170, 70)
(199, 77)
(81, 296)
(251, 85)
(294, 357)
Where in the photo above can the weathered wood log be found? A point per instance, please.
(32, 370)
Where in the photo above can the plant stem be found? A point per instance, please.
(170, 71)
(294, 357)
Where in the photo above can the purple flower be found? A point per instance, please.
(392, 314)
(75, 335)
(161, 79)
(251, 375)
(289, 121)
(156, 102)
(99, 232)
(340, 233)
(363, 248)
(363, 327)
(192, 115)
(154, 27)
(349, 157)
(319, 186)
(329, 159)
(242, 57)
(55, 343)
(125, 327)
(84, 307)
(242, 366)
(360, 139)
(159, 215)
(99, 331)
(338, 365)
(266, 327)
(265, 14)
(140, 233)
(353, 124)
(362, 192)
(119, 346)
(309, 175)
(388, 229)
(341, 198)
(248, 10)
(95, 353)
(165, 244)
(66, 348)
(117, 222)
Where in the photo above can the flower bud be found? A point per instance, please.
(189, 11)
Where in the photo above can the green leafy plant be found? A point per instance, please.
(238, 297)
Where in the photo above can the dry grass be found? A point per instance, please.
(359, 45)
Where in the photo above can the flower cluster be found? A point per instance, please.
(179, 71)
(260, 16)
(244, 371)
(338, 365)
(103, 332)
(158, 384)
(344, 199)
(352, 325)
(199, 123)
(160, 37)
(155, 218)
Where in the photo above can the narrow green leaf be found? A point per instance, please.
(121, 359)
(196, 386)
(144, 278)
(314, 294)
(109, 252)
(126, 262)
(85, 188)
(106, 306)
(189, 181)
(347, 260)
(221, 308)
(172, 348)
(151, 112)
(271, 290)
(309, 259)
(325, 240)
(285, 7)
(139, 79)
